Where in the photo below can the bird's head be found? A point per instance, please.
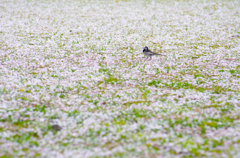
(145, 49)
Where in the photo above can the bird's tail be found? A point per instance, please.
(161, 54)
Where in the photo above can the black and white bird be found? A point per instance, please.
(149, 53)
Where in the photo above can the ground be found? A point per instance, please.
(74, 83)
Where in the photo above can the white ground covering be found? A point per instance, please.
(79, 64)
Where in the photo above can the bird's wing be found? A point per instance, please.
(151, 53)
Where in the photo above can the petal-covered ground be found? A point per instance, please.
(74, 83)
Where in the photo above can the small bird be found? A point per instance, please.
(149, 53)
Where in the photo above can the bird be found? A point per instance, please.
(149, 53)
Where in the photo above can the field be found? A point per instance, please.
(74, 83)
